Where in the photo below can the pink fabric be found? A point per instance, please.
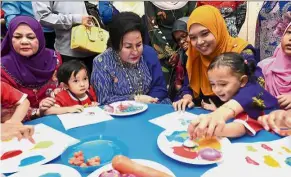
(277, 72)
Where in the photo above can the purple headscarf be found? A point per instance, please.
(35, 70)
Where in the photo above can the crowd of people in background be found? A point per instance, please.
(184, 53)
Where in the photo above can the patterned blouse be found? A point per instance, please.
(115, 81)
(269, 16)
(160, 22)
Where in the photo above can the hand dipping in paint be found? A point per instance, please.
(10, 130)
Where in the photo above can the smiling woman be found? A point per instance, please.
(128, 68)
(26, 64)
(209, 38)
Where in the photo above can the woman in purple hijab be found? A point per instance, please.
(26, 64)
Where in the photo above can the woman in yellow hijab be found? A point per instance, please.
(209, 38)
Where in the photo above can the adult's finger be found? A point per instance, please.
(284, 103)
(25, 132)
(288, 106)
(219, 126)
(210, 129)
(281, 99)
(273, 118)
(263, 121)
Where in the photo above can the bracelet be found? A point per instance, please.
(230, 109)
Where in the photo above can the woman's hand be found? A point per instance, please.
(276, 120)
(182, 103)
(284, 101)
(45, 104)
(207, 106)
(10, 130)
(145, 99)
(87, 21)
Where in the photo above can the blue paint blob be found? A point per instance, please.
(179, 136)
(31, 160)
(51, 175)
(288, 161)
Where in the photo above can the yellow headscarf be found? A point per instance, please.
(197, 64)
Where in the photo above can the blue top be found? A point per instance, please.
(18, 8)
(109, 77)
(106, 11)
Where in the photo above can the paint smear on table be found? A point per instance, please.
(10, 154)
(43, 145)
(51, 175)
(31, 160)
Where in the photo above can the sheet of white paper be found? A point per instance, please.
(49, 143)
(231, 170)
(41, 132)
(90, 115)
(266, 155)
(174, 121)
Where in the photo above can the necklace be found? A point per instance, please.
(139, 90)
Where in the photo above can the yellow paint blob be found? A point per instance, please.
(209, 142)
(286, 149)
(270, 161)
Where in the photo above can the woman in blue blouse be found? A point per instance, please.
(128, 70)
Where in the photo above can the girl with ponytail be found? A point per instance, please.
(228, 73)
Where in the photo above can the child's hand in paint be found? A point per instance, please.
(75, 109)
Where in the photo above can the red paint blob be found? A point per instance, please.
(10, 154)
(251, 161)
(185, 152)
(268, 148)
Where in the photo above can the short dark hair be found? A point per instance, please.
(121, 24)
(235, 62)
(67, 68)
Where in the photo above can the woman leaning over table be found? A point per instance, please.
(128, 70)
(209, 38)
(26, 64)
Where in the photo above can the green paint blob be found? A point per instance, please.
(43, 145)
(251, 148)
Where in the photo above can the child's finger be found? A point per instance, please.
(211, 102)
